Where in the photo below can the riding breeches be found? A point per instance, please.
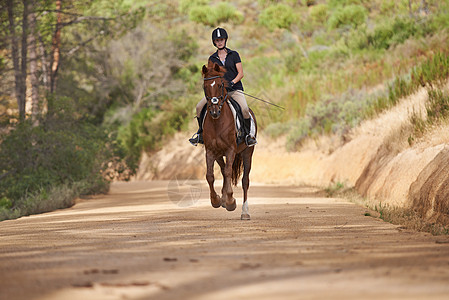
(236, 95)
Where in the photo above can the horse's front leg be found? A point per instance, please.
(222, 165)
(230, 201)
(214, 199)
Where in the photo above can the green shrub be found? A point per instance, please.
(299, 131)
(277, 16)
(36, 158)
(337, 3)
(63, 150)
(435, 69)
(226, 12)
(185, 6)
(214, 15)
(392, 33)
(352, 15)
(147, 128)
(319, 13)
(266, 3)
(202, 14)
(387, 6)
(438, 106)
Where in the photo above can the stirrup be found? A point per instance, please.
(250, 141)
(195, 140)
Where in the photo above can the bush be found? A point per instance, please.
(337, 3)
(147, 128)
(226, 12)
(208, 15)
(185, 6)
(62, 151)
(438, 106)
(277, 16)
(352, 15)
(392, 33)
(202, 14)
(319, 13)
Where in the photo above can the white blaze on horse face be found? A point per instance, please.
(212, 84)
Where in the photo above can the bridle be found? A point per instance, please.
(216, 100)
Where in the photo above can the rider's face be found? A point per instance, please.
(220, 43)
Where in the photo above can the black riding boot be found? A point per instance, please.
(198, 139)
(249, 139)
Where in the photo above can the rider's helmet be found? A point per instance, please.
(219, 33)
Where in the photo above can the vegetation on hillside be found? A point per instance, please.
(89, 85)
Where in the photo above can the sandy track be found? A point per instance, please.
(161, 240)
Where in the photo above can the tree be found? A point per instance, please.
(19, 62)
(34, 78)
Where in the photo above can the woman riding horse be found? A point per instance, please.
(220, 142)
(229, 59)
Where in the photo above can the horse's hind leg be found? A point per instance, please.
(222, 165)
(214, 198)
(247, 157)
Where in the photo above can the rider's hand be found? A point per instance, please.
(231, 85)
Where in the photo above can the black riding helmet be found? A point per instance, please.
(219, 33)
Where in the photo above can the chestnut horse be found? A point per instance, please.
(219, 134)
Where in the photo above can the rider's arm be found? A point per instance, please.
(240, 72)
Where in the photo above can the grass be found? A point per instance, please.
(437, 112)
(61, 196)
(406, 218)
(409, 219)
(334, 189)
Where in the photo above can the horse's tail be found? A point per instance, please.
(237, 168)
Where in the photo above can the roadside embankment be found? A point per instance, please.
(377, 159)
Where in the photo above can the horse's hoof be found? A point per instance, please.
(232, 206)
(223, 202)
(245, 217)
(216, 203)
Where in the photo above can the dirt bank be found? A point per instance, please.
(377, 160)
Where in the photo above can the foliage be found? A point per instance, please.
(277, 16)
(63, 150)
(391, 33)
(134, 67)
(186, 5)
(149, 127)
(438, 106)
(214, 15)
(437, 111)
(351, 15)
(432, 71)
(319, 13)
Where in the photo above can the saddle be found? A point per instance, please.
(238, 117)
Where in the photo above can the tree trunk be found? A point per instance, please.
(56, 47)
(23, 66)
(15, 54)
(34, 78)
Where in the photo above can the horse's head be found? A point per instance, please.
(215, 88)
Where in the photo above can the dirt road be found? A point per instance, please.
(163, 240)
